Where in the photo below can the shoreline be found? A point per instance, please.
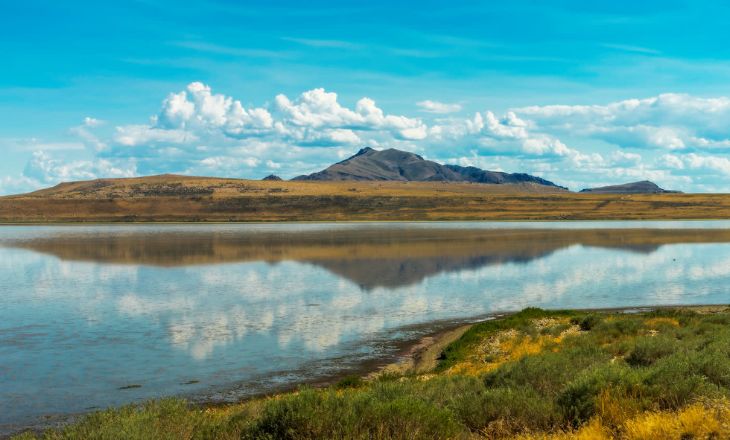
(417, 356)
(364, 221)
(422, 355)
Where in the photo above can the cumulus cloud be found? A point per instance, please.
(197, 108)
(668, 121)
(320, 109)
(693, 161)
(438, 107)
(509, 135)
(48, 170)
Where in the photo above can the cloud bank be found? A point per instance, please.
(680, 141)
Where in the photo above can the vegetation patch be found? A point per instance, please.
(533, 375)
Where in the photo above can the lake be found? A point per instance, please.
(93, 316)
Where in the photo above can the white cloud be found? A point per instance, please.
(507, 135)
(318, 108)
(19, 184)
(438, 107)
(134, 135)
(87, 136)
(198, 108)
(668, 121)
(510, 127)
(673, 161)
(92, 122)
(693, 161)
(226, 163)
(47, 170)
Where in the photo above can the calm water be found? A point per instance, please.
(104, 315)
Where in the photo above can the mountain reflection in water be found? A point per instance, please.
(370, 258)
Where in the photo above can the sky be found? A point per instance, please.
(580, 93)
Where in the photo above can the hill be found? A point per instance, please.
(171, 198)
(397, 165)
(643, 187)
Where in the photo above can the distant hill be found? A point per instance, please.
(171, 198)
(272, 177)
(397, 165)
(643, 187)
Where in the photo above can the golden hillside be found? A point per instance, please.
(184, 198)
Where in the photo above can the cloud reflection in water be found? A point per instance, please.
(225, 306)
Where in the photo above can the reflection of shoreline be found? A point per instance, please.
(369, 258)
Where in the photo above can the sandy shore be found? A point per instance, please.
(422, 356)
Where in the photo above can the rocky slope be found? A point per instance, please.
(397, 165)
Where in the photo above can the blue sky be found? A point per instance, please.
(578, 92)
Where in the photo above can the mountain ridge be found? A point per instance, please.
(397, 165)
(641, 187)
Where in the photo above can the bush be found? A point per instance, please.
(673, 381)
(547, 372)
(577, 401)
(371, 414)
(161, 419)
(587, 322)
(614, 329)
(352, 381)
(648, 350)
(519, 409)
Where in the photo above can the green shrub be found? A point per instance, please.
(648, 349)
(614, 329)
(577, 401)
(714, 365)
(161, 419)
(520, 409)
(547, 372)
(587, 322)
(382, 413)
(673, 381)
(352, 381)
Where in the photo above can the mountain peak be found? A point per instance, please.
(397, 165)
(363, 150)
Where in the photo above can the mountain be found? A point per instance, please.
(397, 165)
(643, 187)
(273, 177)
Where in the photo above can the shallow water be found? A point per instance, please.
(92, 316)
